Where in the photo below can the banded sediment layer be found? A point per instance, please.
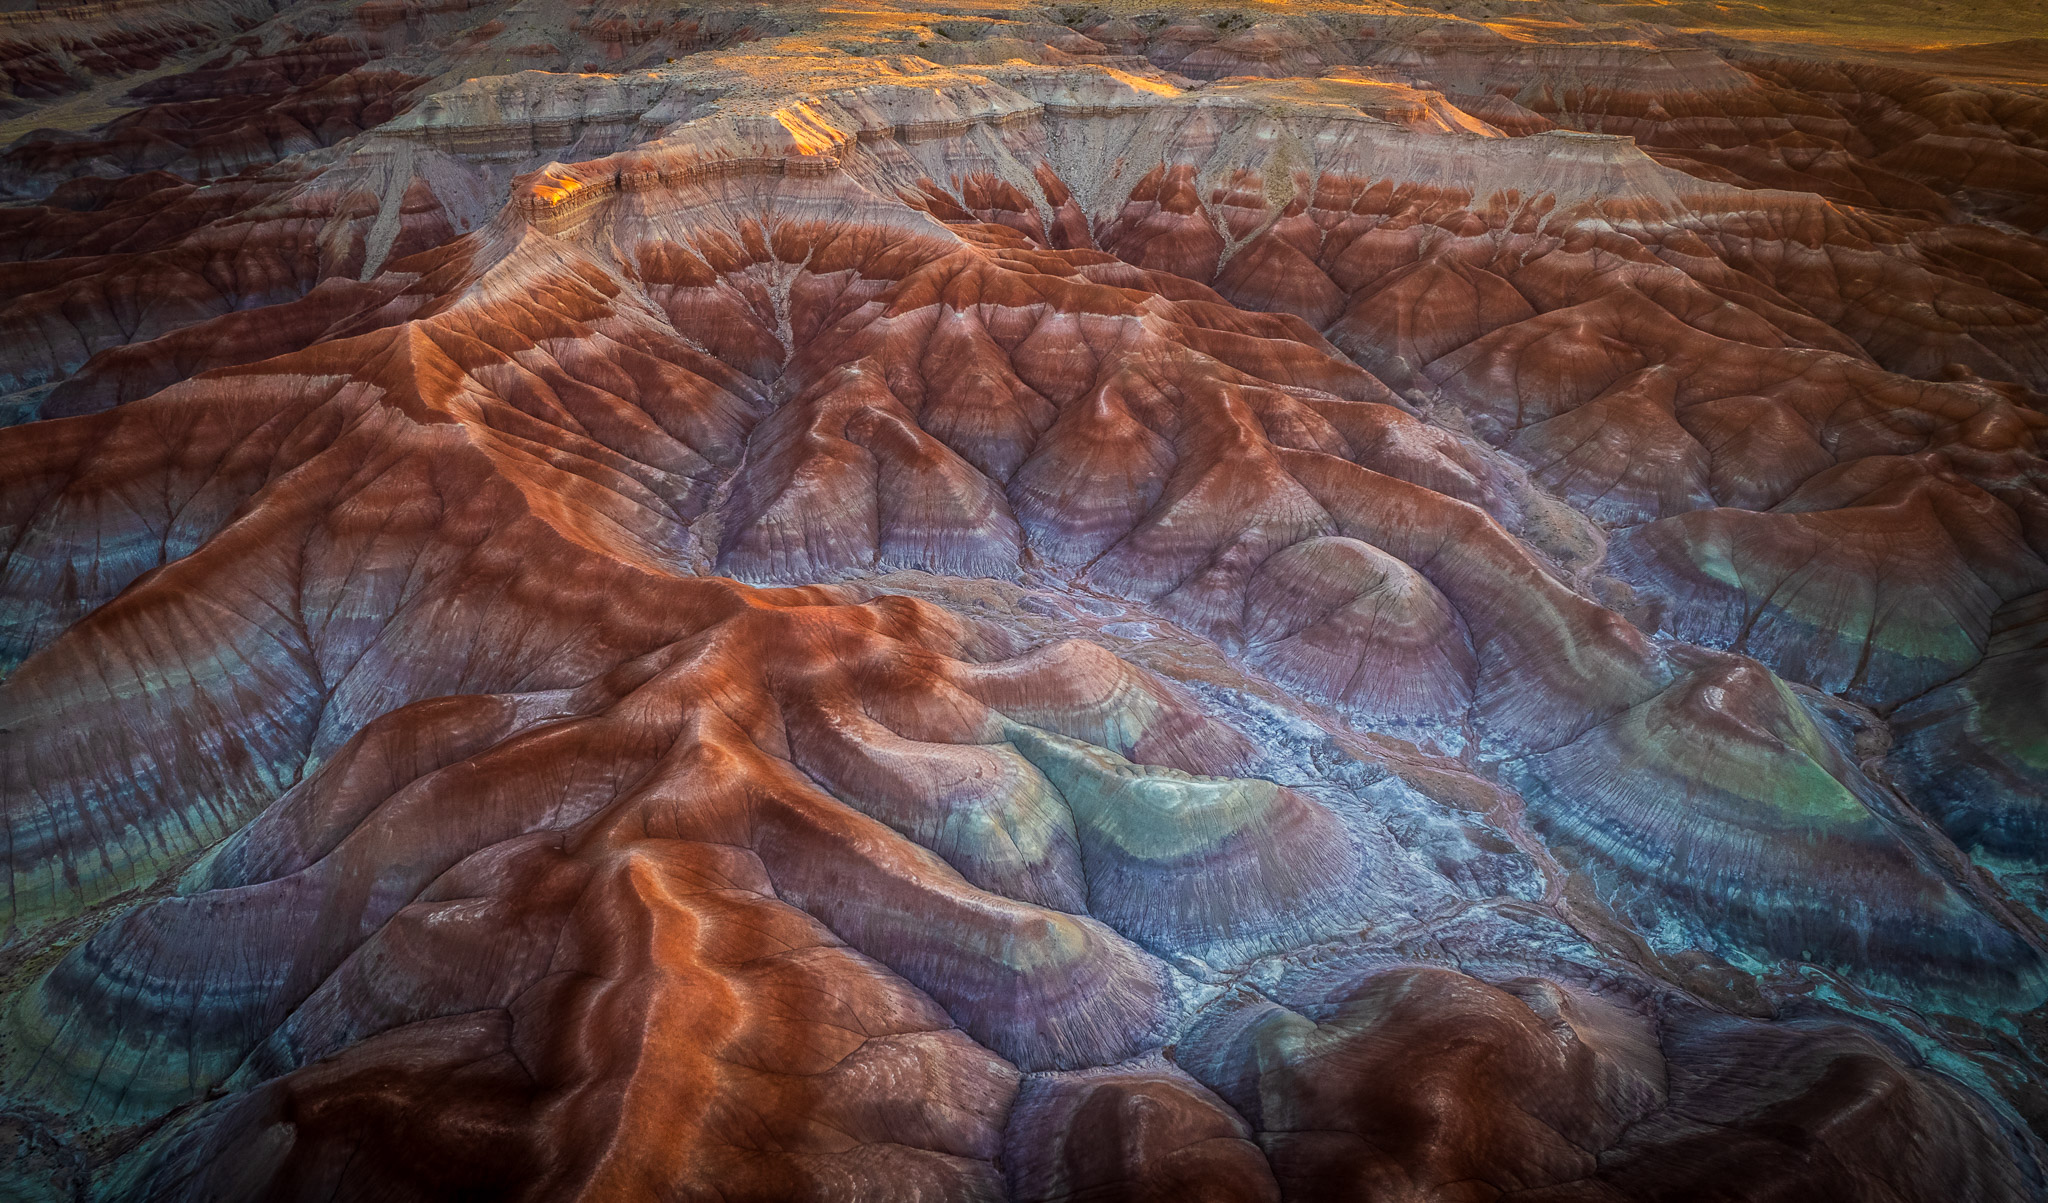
(913, 602)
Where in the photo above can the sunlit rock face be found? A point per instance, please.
(628, 602)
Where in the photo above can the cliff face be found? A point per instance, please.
(890, 603)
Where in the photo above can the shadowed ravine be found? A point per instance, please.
(1315, 603)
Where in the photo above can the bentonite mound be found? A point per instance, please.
(624, 601)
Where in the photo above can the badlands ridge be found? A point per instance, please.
(616, 601)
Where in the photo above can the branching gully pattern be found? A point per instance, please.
(619, 601)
